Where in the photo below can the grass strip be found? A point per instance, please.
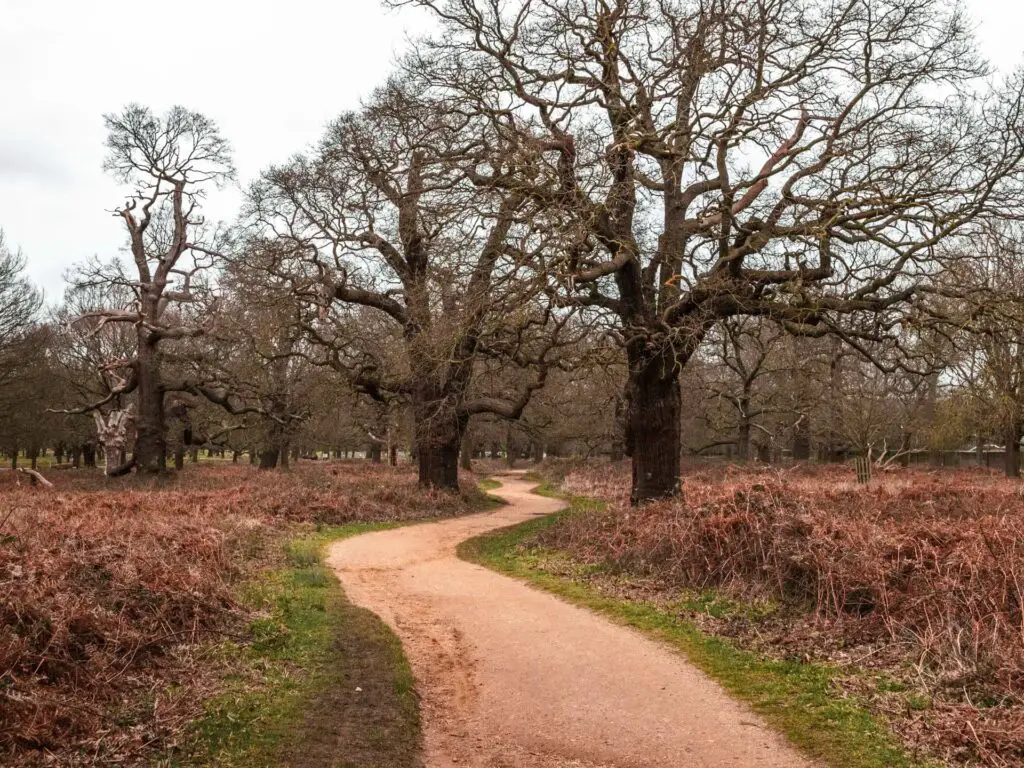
(801, 700)
(321, 683)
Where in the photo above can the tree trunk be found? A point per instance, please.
(234, 456)
(743, 441)
(373, 453)
(439, 430)
(285, 454)
(194, 455)
(439, 457)
(269, 457)
(466, 456)
(58, 454)
(653, 432)
(179, 457)
(150, 422)
(510, 456)
(904, 450)
(76, 456)
(14, 459)
(1012, 455)
(802, 440)
(393, 456)
(89, 453)
(618, 451)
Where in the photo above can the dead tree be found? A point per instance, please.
(788, 160)
(169, 161)
(112, 434)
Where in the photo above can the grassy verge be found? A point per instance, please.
(801, 700)
(488, 484)
(322, 683)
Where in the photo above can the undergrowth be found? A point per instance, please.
(916, 577)
(112, 590)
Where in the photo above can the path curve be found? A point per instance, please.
(512, 677)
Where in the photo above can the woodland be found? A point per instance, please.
(693, 259)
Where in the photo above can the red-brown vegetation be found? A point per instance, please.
(106, 588)
(921, 573)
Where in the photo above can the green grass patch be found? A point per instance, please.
(320, 682)
(488, 484)
(802, 700)
(488, 501)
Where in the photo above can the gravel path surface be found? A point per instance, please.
(512, 677)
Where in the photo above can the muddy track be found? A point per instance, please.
(511, 677)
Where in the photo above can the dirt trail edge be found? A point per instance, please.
(511, 677)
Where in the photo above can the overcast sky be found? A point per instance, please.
(270, 73)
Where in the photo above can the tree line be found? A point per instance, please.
(642, 226)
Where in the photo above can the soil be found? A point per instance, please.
(511, 677)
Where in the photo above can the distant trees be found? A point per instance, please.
(20, 301)
(22, 362)
(988, 315)
(739, 382)
(776, 160)
(259, 356)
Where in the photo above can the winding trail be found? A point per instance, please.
(512, 677)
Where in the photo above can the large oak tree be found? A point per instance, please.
(782, 158)
(385, 216)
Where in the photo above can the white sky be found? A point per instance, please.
(272, 73)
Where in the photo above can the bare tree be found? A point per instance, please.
(169, 162)
(792, 160)
(19, 299)
(19, 307)
(22, 358)
(384, 216)
(737, 395)
(258, 355)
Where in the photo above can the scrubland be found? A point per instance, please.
(111, 593)
(913, 583)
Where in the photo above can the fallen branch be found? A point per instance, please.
(36, 477)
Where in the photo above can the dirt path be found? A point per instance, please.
(511, 677)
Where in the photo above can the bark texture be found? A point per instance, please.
(653, 427)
